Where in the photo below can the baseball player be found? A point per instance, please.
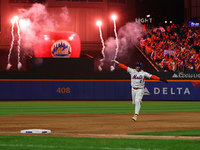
(138, 77)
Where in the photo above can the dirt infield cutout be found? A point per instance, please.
(102, 125)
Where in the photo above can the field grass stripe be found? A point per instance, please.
(71, 147)
(26, 108)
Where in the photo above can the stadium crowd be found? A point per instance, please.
(173, 48)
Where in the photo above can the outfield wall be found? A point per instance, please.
(35, 89)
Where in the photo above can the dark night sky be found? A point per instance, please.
(161, 10)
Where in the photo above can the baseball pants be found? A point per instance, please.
(137, 95)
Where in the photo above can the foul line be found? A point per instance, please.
(112, 136)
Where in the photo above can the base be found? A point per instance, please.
(36, 131)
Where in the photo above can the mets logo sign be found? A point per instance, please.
(61, 48)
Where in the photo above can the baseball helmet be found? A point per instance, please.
(139, 64)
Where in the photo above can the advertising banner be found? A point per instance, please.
(176, 90)
(96, 90)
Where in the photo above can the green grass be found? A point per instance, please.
(195, 132)
(23, 108)
(69, 143)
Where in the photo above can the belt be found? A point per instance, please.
(136, 88)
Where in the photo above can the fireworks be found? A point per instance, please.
(14, 20)
(114, 17)
(11, 45)
(19, 44)
(99, 23)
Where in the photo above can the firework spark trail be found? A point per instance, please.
(117, 41)
(102, 41)
(19, 45)
(112, 68)
(11, 46)
(103, 45)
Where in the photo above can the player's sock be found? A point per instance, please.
(135, 117)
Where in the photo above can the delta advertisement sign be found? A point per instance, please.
(176, 90)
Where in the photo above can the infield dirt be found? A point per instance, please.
(106, 124)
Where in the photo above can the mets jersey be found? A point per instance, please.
(138, 78)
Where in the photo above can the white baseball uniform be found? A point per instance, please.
(137, 84)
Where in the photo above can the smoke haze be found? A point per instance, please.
(127, 34)
(36, 19)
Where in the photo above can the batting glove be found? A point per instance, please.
(115, 61)
(164, 80)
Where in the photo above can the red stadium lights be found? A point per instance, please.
(114, 17)
(72, 37)
(46, 37)
(98, 23)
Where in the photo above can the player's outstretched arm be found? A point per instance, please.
(120, 65)
(157, 78)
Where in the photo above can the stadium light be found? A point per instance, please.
(148, 15)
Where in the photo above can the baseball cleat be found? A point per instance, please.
(135, 117)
